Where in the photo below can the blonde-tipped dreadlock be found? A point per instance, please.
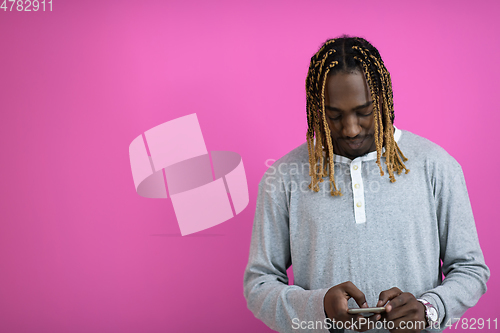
(346, 54)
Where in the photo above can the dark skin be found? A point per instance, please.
(349, 114)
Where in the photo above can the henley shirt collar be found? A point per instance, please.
(368, 156)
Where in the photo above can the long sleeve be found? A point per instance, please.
(463, 265)
(280, 306)
(423, 217)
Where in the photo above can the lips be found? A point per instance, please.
(354, 144)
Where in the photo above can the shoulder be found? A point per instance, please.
(296, 158)
(299, 154)
(423, 152)
(421, 146)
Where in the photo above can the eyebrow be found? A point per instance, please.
(331, 108)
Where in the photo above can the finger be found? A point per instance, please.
(399, 307)
(354, 292)
(387, 295)
(368, 322)
(408, 310)
(375, 317)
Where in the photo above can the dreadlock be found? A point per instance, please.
(347, 54)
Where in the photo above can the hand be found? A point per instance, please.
(335, 303)
(403, 309)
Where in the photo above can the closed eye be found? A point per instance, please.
(359, 115)
(366, 114)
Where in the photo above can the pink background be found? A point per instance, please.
(80, 251)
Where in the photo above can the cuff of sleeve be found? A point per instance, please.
(321, 302)
(307, 306)
(321, 306)
(437, 303)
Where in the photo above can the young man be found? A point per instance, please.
(358, 230)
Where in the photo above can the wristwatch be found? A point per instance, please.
(431, 314)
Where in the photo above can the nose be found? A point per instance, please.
(350, 127)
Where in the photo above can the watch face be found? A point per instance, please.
(433, 314)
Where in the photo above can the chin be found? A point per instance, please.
(359, 153)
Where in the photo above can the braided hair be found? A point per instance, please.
(347, 54)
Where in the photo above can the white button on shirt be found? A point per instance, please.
(357, 178)
(358, 192)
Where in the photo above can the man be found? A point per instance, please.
(371, 234)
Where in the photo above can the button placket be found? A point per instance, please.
(358, 192)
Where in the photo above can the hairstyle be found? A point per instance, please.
(348, 54)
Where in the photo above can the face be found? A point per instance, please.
(349, 113)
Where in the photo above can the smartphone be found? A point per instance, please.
(366, 310)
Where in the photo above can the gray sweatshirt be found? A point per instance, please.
(377, 235)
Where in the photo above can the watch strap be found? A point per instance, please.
(428, 307)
